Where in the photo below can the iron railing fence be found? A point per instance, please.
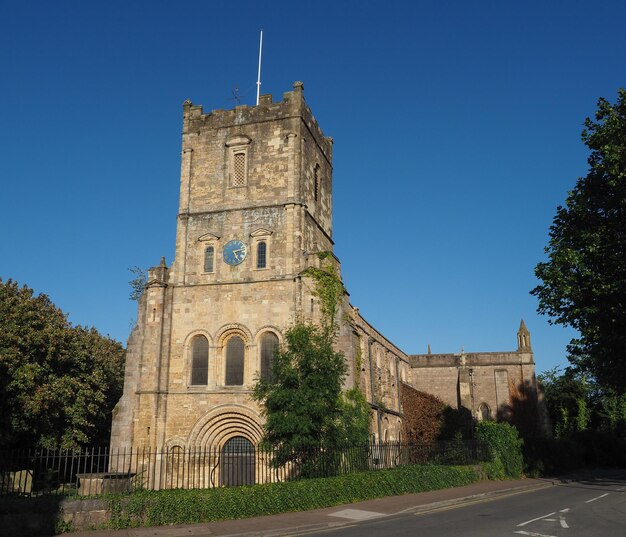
(96, 471)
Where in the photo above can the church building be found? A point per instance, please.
(255, 211)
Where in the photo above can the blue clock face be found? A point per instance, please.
(235, 252)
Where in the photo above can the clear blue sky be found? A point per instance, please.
(456, 126)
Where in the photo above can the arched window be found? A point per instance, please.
(484, 412)
(269, 344)
(209, 256)
(261, 254)
(199, 361)
(234, 361)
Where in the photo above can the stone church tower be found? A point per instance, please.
(255, 210)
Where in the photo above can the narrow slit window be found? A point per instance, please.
(316, 184)
(261, 255)
(209, 256)
(269, 345)
(199, 361)
(234, 361)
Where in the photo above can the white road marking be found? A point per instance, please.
(356, 514)
(563, 523)
(550, 519)
(535, 519)
(533, 534)
(564, 510)
(597, 498)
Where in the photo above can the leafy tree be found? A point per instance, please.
(302, 403)
(584, 279)
(568, 397)
(58, 383)
(577, 404)
(305, 411)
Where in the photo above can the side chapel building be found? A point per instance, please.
(255, 210)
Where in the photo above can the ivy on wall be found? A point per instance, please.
(328, 289)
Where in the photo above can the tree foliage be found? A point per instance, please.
(306, 412)
(584, 279)
(58, 383)
(303, 404)
(577, 404)
(138, 283)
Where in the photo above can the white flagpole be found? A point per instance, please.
(258, 82)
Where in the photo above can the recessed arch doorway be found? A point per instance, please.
(238, 462)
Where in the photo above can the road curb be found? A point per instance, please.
(295, 530)
(418, 510)
(422, 509)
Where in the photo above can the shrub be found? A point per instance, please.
(549, 456)
(601, 448)
(152, 508)
(504, 448)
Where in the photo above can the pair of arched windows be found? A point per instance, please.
(234, 358)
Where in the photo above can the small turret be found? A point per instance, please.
(523, 338)
(158, 275)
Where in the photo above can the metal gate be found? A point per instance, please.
(238, 462)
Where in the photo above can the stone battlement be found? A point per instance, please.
(293, 105)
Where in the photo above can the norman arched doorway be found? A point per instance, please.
(238, 462)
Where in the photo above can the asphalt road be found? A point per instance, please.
(592, 508)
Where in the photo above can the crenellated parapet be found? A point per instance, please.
(293, 105)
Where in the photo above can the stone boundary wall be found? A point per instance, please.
(79, 515)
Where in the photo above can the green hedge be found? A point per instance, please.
(504, 447)
(155, 508)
